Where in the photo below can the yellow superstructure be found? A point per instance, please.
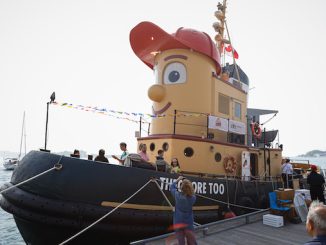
(200, 117)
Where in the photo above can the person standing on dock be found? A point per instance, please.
(287, 171)
(316, 184)
(316, 223)
(183, 218)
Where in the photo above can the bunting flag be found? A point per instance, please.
(228, 51)
(130, 116)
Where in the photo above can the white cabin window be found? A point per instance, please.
(237, 109)
(224, 104)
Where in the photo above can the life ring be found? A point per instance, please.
(256, 130)
(230, 165)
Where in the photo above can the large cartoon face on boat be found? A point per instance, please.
(183, 65)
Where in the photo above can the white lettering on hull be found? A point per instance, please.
(199, 187)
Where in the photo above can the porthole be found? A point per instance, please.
(152, 146)
(218, 157)
(165, 146)
(188, 152)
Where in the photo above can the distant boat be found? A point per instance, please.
(10, 163)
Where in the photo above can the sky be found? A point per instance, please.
(80, 49)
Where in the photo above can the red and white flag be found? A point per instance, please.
(228, 51)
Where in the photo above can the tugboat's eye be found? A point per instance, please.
(175, 73)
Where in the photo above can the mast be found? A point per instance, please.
(24, 134)
(219, 27)
(21, 137)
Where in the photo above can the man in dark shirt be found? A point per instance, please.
(316, 183)
(316, 223)
(101, 156)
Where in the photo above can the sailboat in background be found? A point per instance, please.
(10, 163)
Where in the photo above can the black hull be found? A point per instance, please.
(60, 203)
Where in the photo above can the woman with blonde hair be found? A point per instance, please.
(183, 218)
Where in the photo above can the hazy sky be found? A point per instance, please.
(80, 49)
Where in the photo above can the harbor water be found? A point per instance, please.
(9, 234)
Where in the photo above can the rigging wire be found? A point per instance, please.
(57, 166)
(268, 119)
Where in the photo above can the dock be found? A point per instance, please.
(245, 229)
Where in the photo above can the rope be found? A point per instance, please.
(236, 190)
(166, 198)
(227, 192)
(269, 119)
(106, 215)
(236, 66)
(232, 204)
(227, 203)
(56, 166)
(257, 189)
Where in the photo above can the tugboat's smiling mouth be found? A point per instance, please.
(167, 106)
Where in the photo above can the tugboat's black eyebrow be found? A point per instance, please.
(175, 56)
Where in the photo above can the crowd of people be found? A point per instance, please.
(160, 164)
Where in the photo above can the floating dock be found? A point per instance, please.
(245, 229)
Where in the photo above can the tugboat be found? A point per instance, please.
(200, 116)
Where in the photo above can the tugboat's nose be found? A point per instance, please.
(156, 92)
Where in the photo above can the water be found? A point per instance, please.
(9, 234)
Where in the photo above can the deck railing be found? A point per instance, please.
(184, 123)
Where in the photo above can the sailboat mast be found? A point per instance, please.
(21, 138)
(24, 135)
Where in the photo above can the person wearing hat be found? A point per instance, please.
(316, 183)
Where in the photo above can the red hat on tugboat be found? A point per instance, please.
(313, 167)
(147, 39)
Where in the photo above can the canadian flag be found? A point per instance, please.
(228, 51)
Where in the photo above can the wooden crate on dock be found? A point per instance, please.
(273, 220)
(286, 194)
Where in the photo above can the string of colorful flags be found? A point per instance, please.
(130, 116)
